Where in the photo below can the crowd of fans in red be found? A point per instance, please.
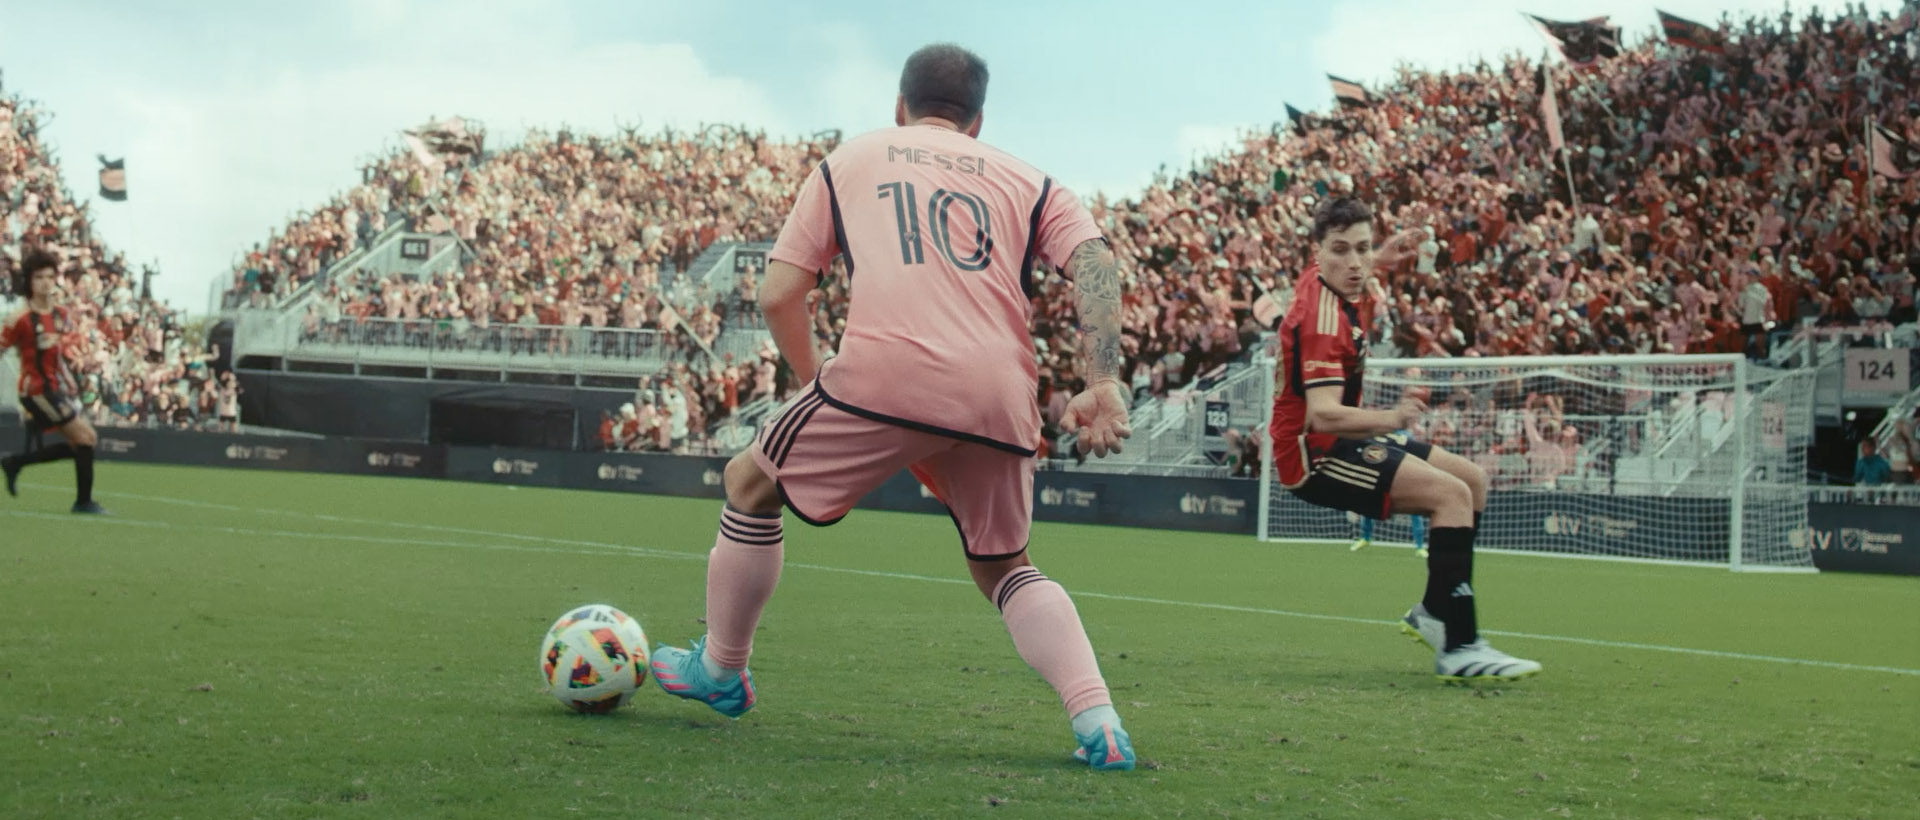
(133, 357)
(1711, 196)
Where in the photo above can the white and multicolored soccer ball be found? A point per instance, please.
(594, 658)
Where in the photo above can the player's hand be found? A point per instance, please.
(1403, 246)
(1099, 415)
(1408, 412)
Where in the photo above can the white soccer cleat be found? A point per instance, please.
(1423, 627)
(1480, 661)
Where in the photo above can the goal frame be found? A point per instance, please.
(1742, 445)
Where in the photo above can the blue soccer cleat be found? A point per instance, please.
(1108, 749)
(681, 674)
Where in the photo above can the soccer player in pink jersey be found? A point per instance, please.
(941, 234)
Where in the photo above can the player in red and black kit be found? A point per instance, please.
(1330, 452)
(41, 334)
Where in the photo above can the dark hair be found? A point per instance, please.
(946, 81)
(1338, 214)
(34, 260)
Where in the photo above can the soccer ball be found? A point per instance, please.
(594, 658)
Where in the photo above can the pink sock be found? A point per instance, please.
(1046, 630)
(742, 571)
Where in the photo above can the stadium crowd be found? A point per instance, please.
(1703, 199)
(1715, 197)
(1718, 196)
(131, 355)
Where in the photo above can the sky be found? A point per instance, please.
(234, 116)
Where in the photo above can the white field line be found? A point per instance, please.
(578, 547)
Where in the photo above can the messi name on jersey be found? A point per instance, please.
(922, 156)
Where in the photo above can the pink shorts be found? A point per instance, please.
(825, 459)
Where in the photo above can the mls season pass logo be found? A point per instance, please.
(1845, 539)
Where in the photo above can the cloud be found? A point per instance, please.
(1193, 141)
(214, 167)
(855, 89)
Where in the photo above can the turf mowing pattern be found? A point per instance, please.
(256, 644)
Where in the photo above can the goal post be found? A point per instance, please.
(1688, 459)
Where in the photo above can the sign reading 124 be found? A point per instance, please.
(1876, 371)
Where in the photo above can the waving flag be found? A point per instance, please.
(1349, 93)
(113, 179)
(1298, 118)
(1683, 32)
(1550, 109)
(1581, 43)
(1892, 156)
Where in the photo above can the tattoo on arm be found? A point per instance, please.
(1096, 278)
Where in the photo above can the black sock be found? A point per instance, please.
(53, 452)
(1450, 583)
(83, 474)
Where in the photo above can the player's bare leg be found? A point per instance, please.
(1049, 636)
(742, 571)
(1446, 617)
(1468, 472)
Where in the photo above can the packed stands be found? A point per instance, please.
(1711, 194)
(138, 360)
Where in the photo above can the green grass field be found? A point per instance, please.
(252, 644)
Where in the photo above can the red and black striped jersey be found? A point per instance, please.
(42, 340)
(1322, 344)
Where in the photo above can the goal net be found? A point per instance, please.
(1697, 459)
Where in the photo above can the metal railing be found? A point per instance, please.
(1170, 431)
(1902, 409)
(294, 298)
(448, 343)
(1903, 495)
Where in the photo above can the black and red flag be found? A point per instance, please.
(1298, 119)
(1583, 42)
(1549, 108)
(1892, 156)
(1683, 32)
(113, 179)
(1349, 93)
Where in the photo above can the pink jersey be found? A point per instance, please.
(941, 232)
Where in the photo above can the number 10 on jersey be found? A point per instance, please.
(906, 213)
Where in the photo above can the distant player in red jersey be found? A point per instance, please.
(1329, 451)
(941, 234)
(42, 333)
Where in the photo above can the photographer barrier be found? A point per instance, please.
(450, 412)
(1216, 505)
(1852, 537)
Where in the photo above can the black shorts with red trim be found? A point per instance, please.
(49, 410)
(1356, 475)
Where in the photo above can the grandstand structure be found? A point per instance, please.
(596, 262)
(1649, 256)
